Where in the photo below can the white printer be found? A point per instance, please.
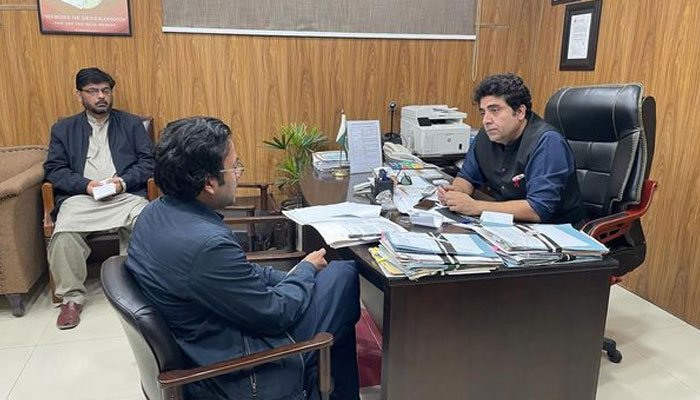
(434, 130)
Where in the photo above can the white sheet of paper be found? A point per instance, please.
(559, 236)
(309, 215)
(579, 35)
(492, 217)
(364, 146)
(106, 190)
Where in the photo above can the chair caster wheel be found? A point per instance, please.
(615, 356)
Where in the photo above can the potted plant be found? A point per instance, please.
(298, 142)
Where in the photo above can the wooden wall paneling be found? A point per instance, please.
(255, 84)
(664, 58)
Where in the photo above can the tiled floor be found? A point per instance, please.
(94, 361)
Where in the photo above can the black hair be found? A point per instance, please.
(508, 86)
(87, 76)
(191, 150)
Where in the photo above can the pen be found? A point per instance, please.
(428, 195)
(517, 178)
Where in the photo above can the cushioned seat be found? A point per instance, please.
(22, 251)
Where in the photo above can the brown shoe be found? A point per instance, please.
(69, 316)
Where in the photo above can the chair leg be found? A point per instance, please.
(610, 347)
(52, 290)
(17, 304)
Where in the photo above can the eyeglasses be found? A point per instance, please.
(94, 91)
(239, 168)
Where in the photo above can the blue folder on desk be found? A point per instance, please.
(459, 244)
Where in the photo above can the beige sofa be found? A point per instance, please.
(22, 248)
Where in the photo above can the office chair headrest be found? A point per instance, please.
(605, 113)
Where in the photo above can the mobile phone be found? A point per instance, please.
(425, 204)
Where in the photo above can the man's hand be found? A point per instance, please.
(461, 203)
(92, 185)
(317, 259)
(117, 184)
(442, 191)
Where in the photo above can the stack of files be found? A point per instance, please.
(345, 224)
(531, 244)
(420, 254)
(326, 160)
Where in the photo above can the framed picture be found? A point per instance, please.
(85, 17)
(580, 40)
(555, 2)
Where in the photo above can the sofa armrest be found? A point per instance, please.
(22, 181)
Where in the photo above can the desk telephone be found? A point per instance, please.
(399, 153)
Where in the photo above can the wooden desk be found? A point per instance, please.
(532, 333)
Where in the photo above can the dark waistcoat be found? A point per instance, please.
(501, 163)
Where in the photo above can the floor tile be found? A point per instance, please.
(13, 361)
(371, 393)
(35, 306)
(98, 320)
(676, 350)
(94, 369)
(639, 378)
(19, 332)
(629, 313)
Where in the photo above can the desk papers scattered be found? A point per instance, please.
(309, 215)
(529, 244)
(346, 232)
(345, 224)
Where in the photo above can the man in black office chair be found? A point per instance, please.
(524, 163)
(190, 265)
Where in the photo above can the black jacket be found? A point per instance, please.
(129, 144)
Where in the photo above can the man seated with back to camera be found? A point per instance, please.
(217, 304)
(517, 158)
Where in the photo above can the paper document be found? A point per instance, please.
(579, 36)
(106, 190)
(364, 146)
(309, 215)
(345, 232)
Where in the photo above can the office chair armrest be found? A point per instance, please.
(613, 226)
(48, 201)
(322, 341)
(271, 256)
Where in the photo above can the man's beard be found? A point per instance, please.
(99, 111)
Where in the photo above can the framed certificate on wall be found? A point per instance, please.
(85, 17)
(580, 39)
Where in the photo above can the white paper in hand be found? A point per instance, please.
(106, 190)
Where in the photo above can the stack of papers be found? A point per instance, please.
(529, 244)
(422, 254)
(326, 160)
(345, 224)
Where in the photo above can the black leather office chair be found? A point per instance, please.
(611, 130)
(158, 356)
